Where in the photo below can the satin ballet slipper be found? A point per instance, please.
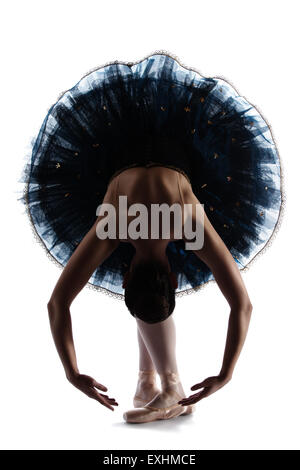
(150, 413)
(173, 378)
(138, 401)
(189, 409)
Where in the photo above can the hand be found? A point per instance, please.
(88, 386)
(209, 385)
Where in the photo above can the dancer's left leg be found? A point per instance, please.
(160, 341)
(146, 387)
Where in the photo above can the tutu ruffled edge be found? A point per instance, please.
(192, 290)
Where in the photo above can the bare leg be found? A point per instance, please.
(146, 387)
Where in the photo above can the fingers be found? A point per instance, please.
(108, 403)
(188, 401)
(108, 399)
(103, 402)
(103, 399)
(194, 398)
(201, 384)
(100, 386)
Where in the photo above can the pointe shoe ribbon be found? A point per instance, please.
(139, 402)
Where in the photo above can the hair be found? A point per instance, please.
(149, 294)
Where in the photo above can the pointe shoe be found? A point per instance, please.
(173, 378)
(138, 401)
(190, 409)
(148, 413)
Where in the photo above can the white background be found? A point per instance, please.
(46, 48)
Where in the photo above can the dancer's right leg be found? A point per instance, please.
(160, 341)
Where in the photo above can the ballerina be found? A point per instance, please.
(149, 295)
(157, 133)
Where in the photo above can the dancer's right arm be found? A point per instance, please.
(89, 254)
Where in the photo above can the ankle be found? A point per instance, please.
(170, 381)
(147, 376)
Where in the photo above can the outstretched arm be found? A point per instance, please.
(89, 254)
(227, 275)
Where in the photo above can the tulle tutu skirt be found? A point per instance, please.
(156, 110)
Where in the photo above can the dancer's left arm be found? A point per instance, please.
(218, 258)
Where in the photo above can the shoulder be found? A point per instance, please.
(185, 186)
(111, 191)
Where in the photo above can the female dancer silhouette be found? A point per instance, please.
(155, 132)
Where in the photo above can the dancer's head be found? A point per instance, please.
(150, 291)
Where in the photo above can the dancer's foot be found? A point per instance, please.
(172, 392)
(164, 405)
(146, 388)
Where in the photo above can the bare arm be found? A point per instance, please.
(90, 253)
(217, 257)
(227, 275)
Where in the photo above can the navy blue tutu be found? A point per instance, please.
(155, 111)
